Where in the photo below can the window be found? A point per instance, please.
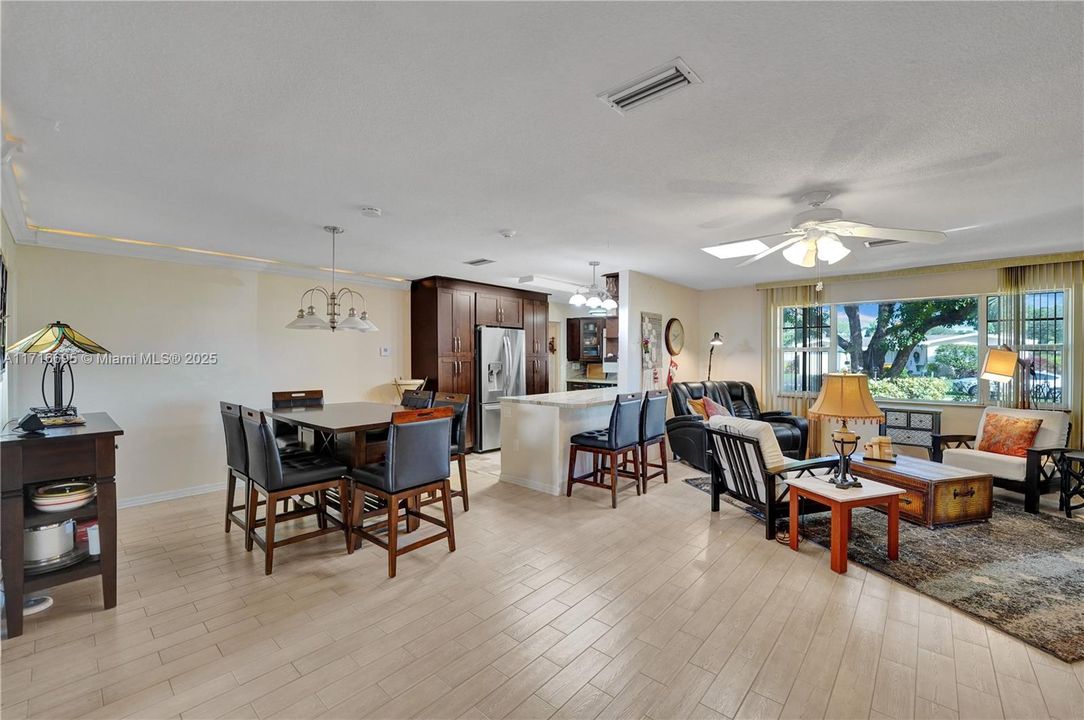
(805, 342)
(913, 350)
(1035, 326)
(928, 349)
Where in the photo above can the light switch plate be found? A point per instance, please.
(385, 351)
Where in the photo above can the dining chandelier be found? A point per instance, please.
(597, 301)
(307, 319)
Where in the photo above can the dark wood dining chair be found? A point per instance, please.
(287, 435)
(460, 405)
(653, 432)
(417, 399)
(417, 463)
(282, 477)
(236, 463)
(609, 446)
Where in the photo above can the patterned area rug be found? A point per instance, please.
(1022, 573)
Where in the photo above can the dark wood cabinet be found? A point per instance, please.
(584, 339)
(84, 452)
(535, 331)
(455, 322)
(499, 309)
(444, 316)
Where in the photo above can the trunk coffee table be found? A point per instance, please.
(935, 494)
(841, 503)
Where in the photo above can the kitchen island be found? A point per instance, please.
(535, 432)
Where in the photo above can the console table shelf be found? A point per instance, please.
(85, 452)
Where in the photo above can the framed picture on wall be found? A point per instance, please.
(650, 340)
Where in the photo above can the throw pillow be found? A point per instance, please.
(762, 431)
(697, 407)
(1007, 435)
(713, 408)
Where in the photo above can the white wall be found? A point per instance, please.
(173, 433)
(738, 315)
(646, 293)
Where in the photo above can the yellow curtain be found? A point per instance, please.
(1069, 276)
(771, 370)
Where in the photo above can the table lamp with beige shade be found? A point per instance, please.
(845, 396)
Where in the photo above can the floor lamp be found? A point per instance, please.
(1000, 366)
(716, 341)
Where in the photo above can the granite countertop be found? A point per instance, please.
(591, 381)
(572, 399)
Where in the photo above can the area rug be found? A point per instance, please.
(1021, 573)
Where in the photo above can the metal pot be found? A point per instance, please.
(47, 543)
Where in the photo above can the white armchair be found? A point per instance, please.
(1031, 475)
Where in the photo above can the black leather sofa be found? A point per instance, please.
(687, 432)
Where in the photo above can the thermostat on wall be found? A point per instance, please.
(385, 351)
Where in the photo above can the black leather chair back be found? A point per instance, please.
(418, 448)
(417, 399)
(459, 404)
(625, 420)
(236, 454)
(743, 399)
(653, 415)
(264, 464)
(284, 399)
(681, 393)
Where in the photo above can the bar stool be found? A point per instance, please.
(236, 462)
(459, 403)
(417, 399)
(417, 463)
(653, 432)
(282, 478)
(620, 437)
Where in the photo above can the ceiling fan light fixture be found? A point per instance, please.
(797, 253)
(831, 250)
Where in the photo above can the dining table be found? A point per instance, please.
(343, 430)
(336, 420)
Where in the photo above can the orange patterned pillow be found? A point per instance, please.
(697, 406)
(1007, 435)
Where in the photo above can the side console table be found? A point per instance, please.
(912, 426)
(85, 452)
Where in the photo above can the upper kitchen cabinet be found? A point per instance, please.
(584, 339)
(498, 309)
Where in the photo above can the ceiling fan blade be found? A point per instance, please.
(866, 232)
(787, 234)
(794, 237)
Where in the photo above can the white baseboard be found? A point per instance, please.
(171, 495)
(531, 484)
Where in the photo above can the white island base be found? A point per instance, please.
(535, 432)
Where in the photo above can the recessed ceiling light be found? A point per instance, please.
(742, 248)
(508, 233)
(373, 212)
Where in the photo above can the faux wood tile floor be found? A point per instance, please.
(550, 608)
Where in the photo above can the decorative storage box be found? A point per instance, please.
(912, 426)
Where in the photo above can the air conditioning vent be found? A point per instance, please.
(652, 85)
(882, 243)
(478, 262)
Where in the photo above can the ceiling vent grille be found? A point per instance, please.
(478, 262)
(652, 85)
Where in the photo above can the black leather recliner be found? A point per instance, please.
(686, 430)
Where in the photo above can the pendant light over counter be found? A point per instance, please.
(597, 301)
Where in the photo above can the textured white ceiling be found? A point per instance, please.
(244, 127)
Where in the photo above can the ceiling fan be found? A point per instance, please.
(816, 234)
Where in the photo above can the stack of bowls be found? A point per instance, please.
(61, 497)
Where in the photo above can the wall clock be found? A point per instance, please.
(675, 336)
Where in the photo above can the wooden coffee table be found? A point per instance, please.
(841, 502)
(935, 494)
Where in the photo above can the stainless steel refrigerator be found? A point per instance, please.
(501, 373)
